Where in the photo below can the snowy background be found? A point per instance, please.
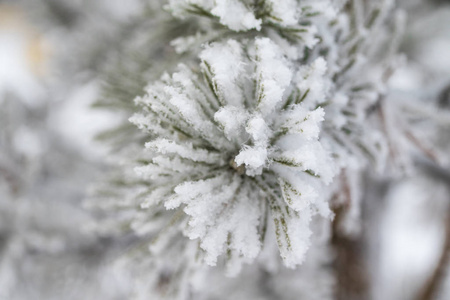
(53, 54)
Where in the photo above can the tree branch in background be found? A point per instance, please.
(352, 277)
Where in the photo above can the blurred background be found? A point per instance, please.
(55, 57)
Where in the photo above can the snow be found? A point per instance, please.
(232, 119)
(235, 15)
(226, 64)
(225, 109)
(273, 75)
(186, 150)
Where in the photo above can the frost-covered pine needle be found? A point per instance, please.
(232, 145)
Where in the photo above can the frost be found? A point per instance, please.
(274, 101)
(258, 130)
(224, 64)
(165, 146)
(286, 16)
(249, 146)
(313, 80)
(273, 75)
(287, 11)
(309, 124)
(253, 158)
(232, 13)
(235, 15)
(232, 120)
